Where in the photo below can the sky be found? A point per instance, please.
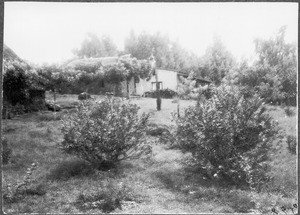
(47, 32)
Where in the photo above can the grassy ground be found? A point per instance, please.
(158, 184)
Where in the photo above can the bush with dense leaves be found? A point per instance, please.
(165, 93)
(106, 132)
(229, 136)
(84, 95)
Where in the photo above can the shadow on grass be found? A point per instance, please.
(197, 187)
(68, 169)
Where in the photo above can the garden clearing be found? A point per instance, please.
(156, 185)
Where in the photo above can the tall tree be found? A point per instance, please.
(93, 46)
(281, 60)
(218, 62)
(167, 54)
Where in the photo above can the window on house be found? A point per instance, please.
(160, 86)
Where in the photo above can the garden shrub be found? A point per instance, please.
(105, 132)
(53, 107)
(83, 96)
(156, 130)
(228, 136)
(164, 93)
(110, 196)
(6, 151)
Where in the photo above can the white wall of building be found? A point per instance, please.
(168, 79)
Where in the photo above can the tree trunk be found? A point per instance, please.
(54, 100)
(127, 88)
(158, 98)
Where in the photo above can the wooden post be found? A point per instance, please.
(178, 97)
(158, 98)
(54, 100)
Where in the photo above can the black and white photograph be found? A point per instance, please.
(149, 107)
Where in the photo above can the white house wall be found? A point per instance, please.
(168, 79)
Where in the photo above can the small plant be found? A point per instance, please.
(6, 151)
(105, 133)
(292, 144)
(289, 112)
(109, 196)
(156, 130)
(13, 193)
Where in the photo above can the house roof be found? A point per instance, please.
(197, 77)
(186, 75)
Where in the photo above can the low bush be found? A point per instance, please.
(69, 169)
(108, 197)
(156, 130)
(83, 96)
(292, 144)
(53, 107)
(228, 136)
(6, 151)
(105, 133)
(164, 93)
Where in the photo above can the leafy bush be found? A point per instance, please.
(105, 133)
(6, 151)
(68, 169)
(292, 144)
(53, 107)
(83, 96)
(164, 93)
(156, 130)
(15, 85)
(228, 136)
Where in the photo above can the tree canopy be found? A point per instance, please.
(93, 46)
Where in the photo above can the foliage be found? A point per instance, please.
(105, 133)
(109, 196)
(13, 193)
(292, 144)
(15, 84)
(187, 87)
(218, 62)
(83, 96)
(168, 54)
(6, 151)
(274, 74)
(157, 130)
(164, 93)
(124, 70)
(53, 78)
(93, 46)
(53, 107)
(229, 136)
